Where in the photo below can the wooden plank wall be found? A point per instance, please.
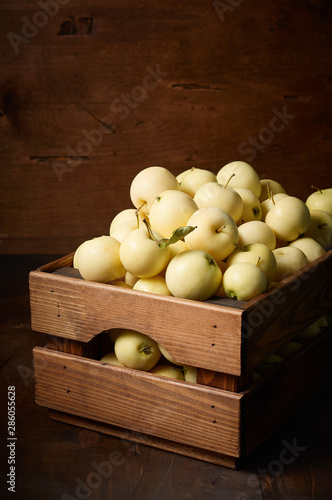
(91, 92)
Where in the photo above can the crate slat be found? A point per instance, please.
(186, 413)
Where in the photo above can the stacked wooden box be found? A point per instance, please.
(222, 417)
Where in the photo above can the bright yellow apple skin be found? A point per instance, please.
(310, 247)
(148, 184)
(136, 350)
(127, 215)
(171, 210)
(289, 260)
(245, 176)
(99, 260)
(320, 228)
(141, 255)
(269, 203)
(256, 231)
(251, 206)
(244, 281)
(274, 187)
(289, 218)
(155, 284)
(167, 355)
(215, 232)
(168, 371)
(76, 254)
(213, 194)
(320, 200)
(258, 254)
(191, 180)
(190, 373)
(194, 275)
(111, 359)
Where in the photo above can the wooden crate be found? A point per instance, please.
(222, 417)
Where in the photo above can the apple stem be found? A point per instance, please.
(317, 189)
(150, 230)
(220, 229)
(258, 261)
(322, 225)
(272, 199)
(229, 180)
(137, 213)
(144, 349)
(268, 190)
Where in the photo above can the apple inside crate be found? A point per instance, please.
(223, 416)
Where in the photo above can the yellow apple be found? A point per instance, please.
(256, 231)
(320, 228)
(171, 210)
(289, 218)
(251, 206)
(269, 203)
(245, 176)
(191, 180)
(310, 247)
(168, 371)
(141, 255)
(155, 284)
(136, 350)
(110, 358)
(216, 232)
(99, 260)
(213, 194)
(289, 260)
(130, 279)
(193, 274)
(167, 355)
(126, 215)
(270, 186)
(190, 373)
(148, 184)
(258, 254)
(244, 281)
(321, 199)
(120, 231)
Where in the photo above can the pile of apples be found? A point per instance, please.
(135, 350)
(199, 235)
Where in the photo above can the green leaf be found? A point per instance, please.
(177, 235)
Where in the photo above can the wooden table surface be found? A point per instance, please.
(60, 461)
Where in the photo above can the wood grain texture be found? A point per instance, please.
(51, 454)
(210, 336)
(271, 319)
(224, 380)
(146, 439)
(194, 333)
(187, 413)
(277, 397)
(224, 79)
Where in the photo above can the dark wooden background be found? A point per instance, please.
(228, 68)
(226, 75)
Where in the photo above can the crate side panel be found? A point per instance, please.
(289, 388)
(298, 301)
(57, 305)
(194, 333)
(182, 412)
